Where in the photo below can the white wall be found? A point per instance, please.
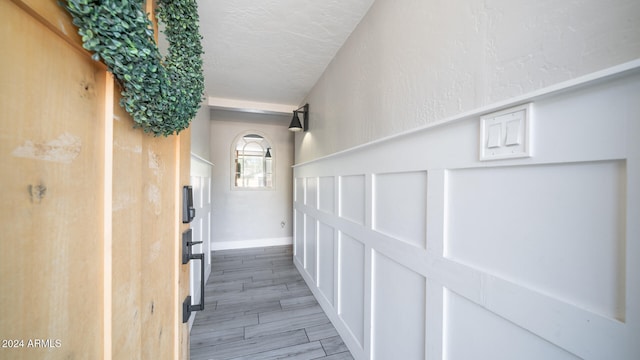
(250, 218)
(416, 249)
(415, 62)
(412, 245)
(201, 132)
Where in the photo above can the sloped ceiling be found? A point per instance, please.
(271, 51)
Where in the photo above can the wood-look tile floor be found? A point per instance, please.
(257, 306)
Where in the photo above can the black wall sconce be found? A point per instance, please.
(295, 121)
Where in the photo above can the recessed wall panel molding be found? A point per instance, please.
(298, 218)
(310, 247)
(299, 190)
(400, 206)
(399, 295)
(202, 190)
(472, 332)
(311, 192)
(352, 198)
(196, 184)
(326, 195)
(351, 288)
(326, 263)
(573, 253)
(520, 258)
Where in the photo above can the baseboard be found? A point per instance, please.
(246, 244)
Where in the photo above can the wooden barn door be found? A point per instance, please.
(90, 213)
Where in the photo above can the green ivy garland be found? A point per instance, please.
(162, 96)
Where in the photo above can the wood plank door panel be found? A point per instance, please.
(127, 217)
(159, 243)
(90, 219)
(51, 216)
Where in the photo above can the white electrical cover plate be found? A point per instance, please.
(505, 134)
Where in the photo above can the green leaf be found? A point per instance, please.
(172, 88)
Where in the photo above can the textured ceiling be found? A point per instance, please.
(272, 51)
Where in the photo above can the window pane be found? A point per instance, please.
(252, 167)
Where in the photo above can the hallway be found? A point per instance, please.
(257, 306)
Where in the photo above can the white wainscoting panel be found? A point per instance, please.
(351, 280)
(326, 268)
(298, 234)
(400, 206)
(311, 192)
(326, 194)
(310, 246)
(475, 333)
(418, 250)
(352, 202)
(299, 190)
(552, 229)
(200, 179)
(398, 295)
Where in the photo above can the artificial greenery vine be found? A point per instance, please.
(162, 95)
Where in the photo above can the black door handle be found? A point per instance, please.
(187, 308)
(187, 250)
(187, 255)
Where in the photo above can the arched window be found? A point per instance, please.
(252, 161)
